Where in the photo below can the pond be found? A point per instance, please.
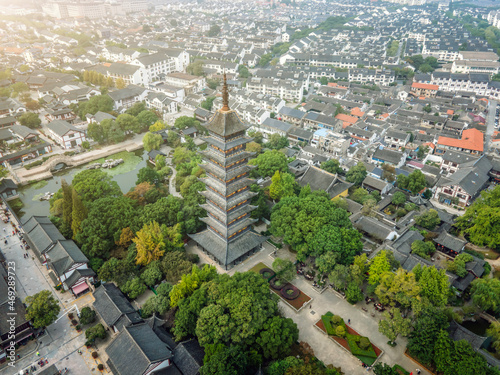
(479, 327)
(124, 174)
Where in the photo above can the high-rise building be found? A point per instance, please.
(229, 237)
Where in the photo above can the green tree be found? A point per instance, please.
(214, 31)
(146, 119)
(42, 309)
(149, 175)
(257, 136)
(189, 283)
(434, 284)
(230, 360)
(79, 213)
(155, 304)
(443, 351)
(356, 174)
(380, 264)
(243, 71)
(97, 103)
(277, 337)
(399, 198)
(480, 221)
(152, 274)
(254, 147)
(97, 331)
(353, 294)
(133, 288)
(195, 68)
(344, 242)
(87, 315)
(277, 142)
(184, 122)
(384, 369)
(340, 277)
(137, 108)
(423, 249)
(128, 122)
(457, 266)
(282, 185)
(265, 59)
(415, 182)
(96, 132)
(208, 103)
(269, 162)
(332, 166)
(284, 268)
(117, 270)
(326, 262)
(486, 294)
(394, 324)
(398, 288)
(174, 264)
(92, 184)
(494, 332)
(429, 219)
(31, 120)
(67, 193)
(152, 141)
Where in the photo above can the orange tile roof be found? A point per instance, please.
(357, 112)
(486, 100)
(429, 144)
(346, 118)
(424, 86)
(422, 132)
(421, 97)
(385, 115)
(332, 84)
(107, 64)
(359, 138)
(472, 139)
(450, 112)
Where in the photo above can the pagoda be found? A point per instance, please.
(229, 237)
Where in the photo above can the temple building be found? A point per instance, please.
(229, 237)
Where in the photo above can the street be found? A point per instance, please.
(490, 124)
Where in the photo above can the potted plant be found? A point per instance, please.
(70, 316)
(100, 367)
(94, 355)
(78, 327)
(74, 322)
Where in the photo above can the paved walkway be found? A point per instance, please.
(323, 347)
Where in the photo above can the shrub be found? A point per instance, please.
(353, 341)
(78, 327)
(336, 320)
(70, 315)
(340, 331)
(94, 355)
(364, 343)
(327, 322)
(100, 367)
(74, 322)
(96, 331)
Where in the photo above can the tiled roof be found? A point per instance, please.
(472, 139)
(424, 86)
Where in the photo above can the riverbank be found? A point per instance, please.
(45, 171)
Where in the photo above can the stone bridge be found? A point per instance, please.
(51, 163)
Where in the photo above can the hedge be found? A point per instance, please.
(327, 322)
(353, 340)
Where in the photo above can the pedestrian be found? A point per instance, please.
(5, 230)
(38, 354)
(348, 321)
(418, 371)
(311, 306)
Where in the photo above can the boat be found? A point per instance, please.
(46, 196)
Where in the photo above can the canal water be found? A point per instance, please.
(124, 174)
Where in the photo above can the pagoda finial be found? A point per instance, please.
(225, 95)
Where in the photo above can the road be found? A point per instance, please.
(490, 124)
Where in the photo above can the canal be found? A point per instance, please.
(124, 174)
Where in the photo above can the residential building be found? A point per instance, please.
(65, 134)
(190, 83)
(472, 141)
(319, 179)
(127, 97)
(423, 89)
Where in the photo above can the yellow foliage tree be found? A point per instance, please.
(126, 237)
(157, 126)
(150, 243)
(120, 83)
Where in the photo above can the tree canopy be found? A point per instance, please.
(269, 162)
(42, 309)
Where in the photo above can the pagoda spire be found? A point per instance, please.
(225, 95)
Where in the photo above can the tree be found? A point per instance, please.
(31, 120)
(356, 174)
(189, 283)
(269, 162)
(353, 294)
(207, 103)
(92, 184)
(326, 262)
(433, 284)
(443, 351)
(282, 185)
(284, 268)
(299, 219)
(398, 288)
(67, 216)
(257, 136)
(344, 242)
(388, 172)
(97, 103)
(230, 360)
(174, 264)
(426, 68)
(150, 243)
(254, 147)
(394, 324)
(415, 182)
(486, 294)
(423, 249)
(384, 369)
(457, 266)
(117, 270)
(95, 131)
(243, 71)
(33, 105)
(146, 119)
(339, 277)
(97, 331)
(120, 83)
(214, 31)
(379, 265)
(277, 142)
(332, 166)
(152, 141)
(79, 213)
(480, 221)
(494, 332)
(195, 68)
(133, 288)
(152, 274)
(87, 315)
(399, 198)
(128, 123)
(429, 219)
(185, 122)
(42, 309)
(277, 337)
(149, 175)
(157, 126)
(265, 59)
(155, 304)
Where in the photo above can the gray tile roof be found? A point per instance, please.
(225, 123)
(277, 124)
(390, 156)
(128, 92)
(135, 349)
(41, 234)
(61, 127)
(451, 242)
(188, 357)
(64, 255)
(112, 305)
